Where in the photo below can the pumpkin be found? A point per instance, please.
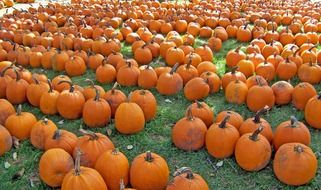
(17, 89)
(61, 139)
(90, 91)
(283, 92)
(70, 102)
(236, 92)
(143, 55)
(246, 67)
(4, 80)
(174, 55)
(128, 74)
(92, 107)
(197, 88)
(20, 124)
(35, 91)
(184, 178)
(235, 119)
(206, 66)
(253, 81)
(232, 76)
(57, 85)
(205, 52)
(301, 94)
(187, 72)
(260, 96)
(41, 131)
(114, 97)
(189, 132)
(194, 59)
(48, 101)
(286, 69)
(149, 171)
(244, 34)
(91, 145)
(310, 72)
(59, 60)
(76, 66)
(202, 111)
(234, 56)
(95, 60)
(5, 140)
(129, 118)
(54, 164)
(266, 70)
(146, 101)
(253, 151)
(113, 166)
(82, 177)
(252, 124)
(105, 73)
(312, 112)
(6, 109)
(221, 139)
(147, 77)
(291, 131)
(295, 164)
(169, 83)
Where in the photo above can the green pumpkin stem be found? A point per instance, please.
(256, 133)
(223, 123)
(149, 157)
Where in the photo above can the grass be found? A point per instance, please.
(157, 138)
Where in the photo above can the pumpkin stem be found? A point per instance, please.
(91, 83)
(122, 185)
(223, 123)
(149, 157)
(190, 175)
(50, 86)
(255, 134)
(298, 149)
(35, 79)
(17, 74)
(45, 121)
(97, 96)
(114, 88)
(115, 151)
(72, 88)
(92, 135)
(238, 49)
(57, 134)
(189, 114)
(174, 68)
(294, 121)
(234, 69)
(258, 81)
(183, 170)
(257, 116)
(199, 104)
(19, 109)
(77, 163)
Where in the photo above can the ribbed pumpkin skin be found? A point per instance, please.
(146, 101)
(129, 118)
(65, 140)
(54, 164)
(312, 112)
(5, 140)
(113, 166)
(149, 175)
(182, 182)
(6, 109)
(41, 131)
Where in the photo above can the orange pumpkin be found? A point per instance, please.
(146, 101)
(40, 131)
(5, 140)
(61, 139)
(6, 109)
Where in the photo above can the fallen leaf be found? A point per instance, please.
(61, 122)
(168, 101)
(14, 156)
(109, 132)
(7, 165)
(19, 174)
(129, 147)
(16, 142)
(31, 183)
(219, 164)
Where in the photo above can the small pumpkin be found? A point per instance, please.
(189, 132)
(202, 111)
(234, 56)
(197, 88)
(283, 92)
(5, 140)
(147, 78)
(301, 94)
(149, 171)
(235, 119)
(232, 76)
(236, 92)
(105, 73)
(20, 124)
(90, 91)
(54, 164)
(253, 151)
(41, 131)
(146, 101)
(35, 91)
(6, 109)
(221, 139)
(114, 97)
(312, 112)
(128, 74)
(169, 83)
(48, 101)
(17, 89)
(61, 139)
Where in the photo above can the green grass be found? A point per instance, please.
(157, 138)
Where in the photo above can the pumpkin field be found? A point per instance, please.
(160, 95)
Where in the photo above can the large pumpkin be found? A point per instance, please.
(54, 164)
(189, 132)
(91, 145)
(114, 167)
(5, 140)
(295, 164)
(19, 125)
(149, 171)
(129, 118)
